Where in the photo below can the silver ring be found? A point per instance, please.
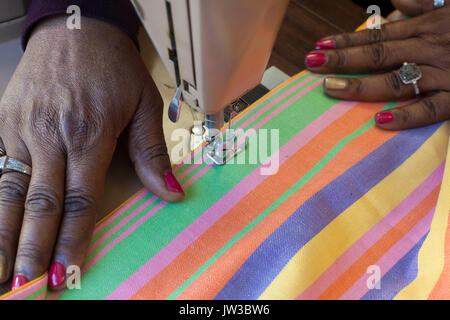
(439, 4)
(409, 74)
(8, 164)
(2, 152)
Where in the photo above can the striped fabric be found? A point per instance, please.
(349, 202)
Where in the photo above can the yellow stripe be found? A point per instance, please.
(432, 254)
(323, 250)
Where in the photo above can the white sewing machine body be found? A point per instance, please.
(215, 50)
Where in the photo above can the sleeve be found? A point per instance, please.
(119, 13)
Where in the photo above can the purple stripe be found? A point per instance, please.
(350, 256)
(158, 262)
(392, 256)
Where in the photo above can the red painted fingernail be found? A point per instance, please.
(325, 44)
(384, 117)
(19, 281)
(315, 59)
(172, 182)
(56, 275)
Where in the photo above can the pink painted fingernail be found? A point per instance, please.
(325, 44)
(315, 59)
(19, 281)
(172, 182)
(56, 275)
(384, 117)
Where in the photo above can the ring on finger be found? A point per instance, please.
(8, 164)
(410, 73)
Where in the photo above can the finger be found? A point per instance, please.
(84, 190)
(43, 207)
(397, 30)
(427, 111)
(371, 58)
(13, 190)
(148, 150)
(413, 7)
(385, 87)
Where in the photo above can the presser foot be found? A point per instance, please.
(220, 152)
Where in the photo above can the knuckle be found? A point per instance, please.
(82, 129)
(346, 40)
(147, 153)
(404, 115)
(377, 53)
(341, 58)
(78, 204)
(359, 86)
(394, 83)
(42, 203)
(430, 109)
(13, 191)
(377, 34)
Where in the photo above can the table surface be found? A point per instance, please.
(306, 22)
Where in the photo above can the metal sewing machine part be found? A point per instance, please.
(216, 51)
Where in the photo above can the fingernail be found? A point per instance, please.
(315, 59)
(3, 267)
(19, 281)
(172, 182)
(335, 83)
(325, 44)
(384, 117)
(56, 275)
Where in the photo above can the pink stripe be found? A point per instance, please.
(120, 211)
(138, 223)
(277, 100)
(196, 176)
(392, 256)
(187, 171)
(41, 297)
(200, 149)
(121, 224)
(123, 236)
(281, 109)
(349, 257)
(158, 262)
(24, 293)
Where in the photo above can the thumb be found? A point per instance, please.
(413, 7)
(148, 150)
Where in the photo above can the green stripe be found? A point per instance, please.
(260, 117)
(190, 175)
(36, 294)
(255, 109)
(300, 183)
(120, 218)
(122, 229)
(166, 224)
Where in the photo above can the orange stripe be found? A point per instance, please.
(374, 253)
(442, 289)
(221, 271)
(190, 260)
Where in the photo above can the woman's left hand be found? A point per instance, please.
(424, 40)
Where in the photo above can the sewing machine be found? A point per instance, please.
(215, 51)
